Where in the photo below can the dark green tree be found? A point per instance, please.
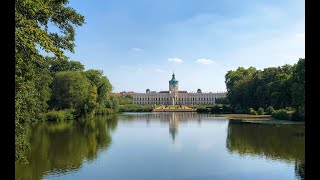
(280, 87)
(71, 89)
(64, 65)
(102, 83)
(32, 32)
(298, 88)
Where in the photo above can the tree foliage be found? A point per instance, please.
(71, 89)
(298, 86)
(58, 65)
(32, 33)
(102, 84)
(279, 87)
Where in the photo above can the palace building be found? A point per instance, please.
(175, 97)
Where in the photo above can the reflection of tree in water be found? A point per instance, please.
(61, 147)
(281, 142)
(299, 170)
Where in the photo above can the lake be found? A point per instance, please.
(163, 146)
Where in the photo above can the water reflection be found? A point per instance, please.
(168, 145)
(278, 142)
(173, 125)
(173, 118)
(57, 148)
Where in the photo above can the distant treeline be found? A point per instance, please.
(135, 108)
(278, 87)
(278, 91)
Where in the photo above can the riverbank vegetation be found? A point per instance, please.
(281, 88)
(48, 85)
(135, 108)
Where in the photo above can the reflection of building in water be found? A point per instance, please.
(173, 125)
(165, 116)
(174, 118)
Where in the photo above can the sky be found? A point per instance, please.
(139, 44)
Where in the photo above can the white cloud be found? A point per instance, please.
(159, 70)
(136, 49)
(175, 60)
(205, 61)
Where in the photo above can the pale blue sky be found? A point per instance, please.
(138, 43)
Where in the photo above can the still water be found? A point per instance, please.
(163, 146)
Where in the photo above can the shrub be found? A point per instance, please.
(298, 115)
(135, 108)
(260, 111)
(61, 115)
(42, 117)
(270, 110)
(289, 108)
(202, 110)
(252, 111)
(281, 114)
(103, 111)
(55, 115)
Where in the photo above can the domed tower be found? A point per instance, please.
(173, 85)
(174, 89)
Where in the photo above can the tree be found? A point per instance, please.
(113, 103)
(71, 89)
(223, 100)
(298, 87)
(31, 34)
(102, 83)
(270, 110)
(279, 87)
(260, 111)
(64, 65)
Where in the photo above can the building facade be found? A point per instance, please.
(175, 97)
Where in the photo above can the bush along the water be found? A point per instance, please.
(281, 114)
(252, 111)
(270, 110)
(203, 110)
(104, 111)
(60, 115)
(260, 111)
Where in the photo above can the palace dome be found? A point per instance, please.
(173, 81)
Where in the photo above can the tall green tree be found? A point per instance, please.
(279, 87)
(71, 89)
(33, 21)
(58, 65)
(298, 87)
(102, 83)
